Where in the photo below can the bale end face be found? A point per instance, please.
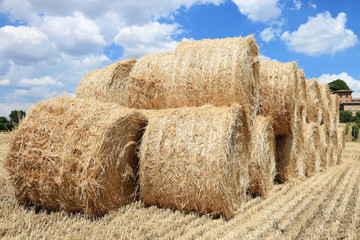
(195, 159)
(60, 161)
(262, 166)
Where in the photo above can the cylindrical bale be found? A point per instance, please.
(314, 104)
(218, 72)
(312, 149)
(333, 147)
(76, 155)
(290, 152)
(196, 159)
(278, 87)
(301, 95)
(326, 99)
(341, 144)
(334, 110)
(262, 166)
(324, 146)
(107, 84)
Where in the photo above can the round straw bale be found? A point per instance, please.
(312, 146)
(290, 152)
(196, 159)
(278, 83)
(341, 144)
(301, 88)
(314, 104)
(325, 97)
(334, 110)
(107, 84)
(324, 146)
(333, 147)
(76, 155)
(219, 72)
(262, 165)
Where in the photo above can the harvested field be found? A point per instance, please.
(325, 206)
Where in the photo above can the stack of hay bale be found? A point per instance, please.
(195, 129)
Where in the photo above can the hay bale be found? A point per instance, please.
(325, 97)
(312, 149)
(301, 96)
(107, 84)
(196, 159)
(324, 146)
(262, 166)
(334, 110)
(278, 84)
(76, 155)
(314, 104)
(290, 152)
(341, 144)
(333, 147)
(219, 72)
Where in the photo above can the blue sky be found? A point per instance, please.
(47, 46)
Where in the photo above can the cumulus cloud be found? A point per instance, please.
(73, 34)
(264, 58)
(24, 45)
(132, 12)
(43, 81)
(5, 82)
(297, 4)
(5, 109)
(259, 10)
(270, 33)
(322, 34)
(152, 37)
(353, 83)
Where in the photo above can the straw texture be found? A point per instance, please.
(290, 151)
(314, 105)
(324, 146)
(196, 159)
(219, 72)
(107, 84)
(278, 84)
(312, 149)
(341, 144)
(76, 155)
(262, 168)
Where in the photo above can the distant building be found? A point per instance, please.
(347, 102)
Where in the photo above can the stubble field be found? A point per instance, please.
(325, 206)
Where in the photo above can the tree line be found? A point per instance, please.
(14, 119)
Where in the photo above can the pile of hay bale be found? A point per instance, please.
(197, 129)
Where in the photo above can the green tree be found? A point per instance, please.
(3, 123)
(358, 114)
(347, 128)
(338, 84)
(15, 116)
(345, 116)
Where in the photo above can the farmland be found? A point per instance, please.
(325, 206)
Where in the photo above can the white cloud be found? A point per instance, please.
(321, 35)
(24, 45)
(267, 34)
(264, 58)
(5, 82)
(259, 10)
(75, 34)
(153, 37)
(132, 12)
(353, 84)
(312, 5)
(43, 81)
(297, 4)
(5, 109)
